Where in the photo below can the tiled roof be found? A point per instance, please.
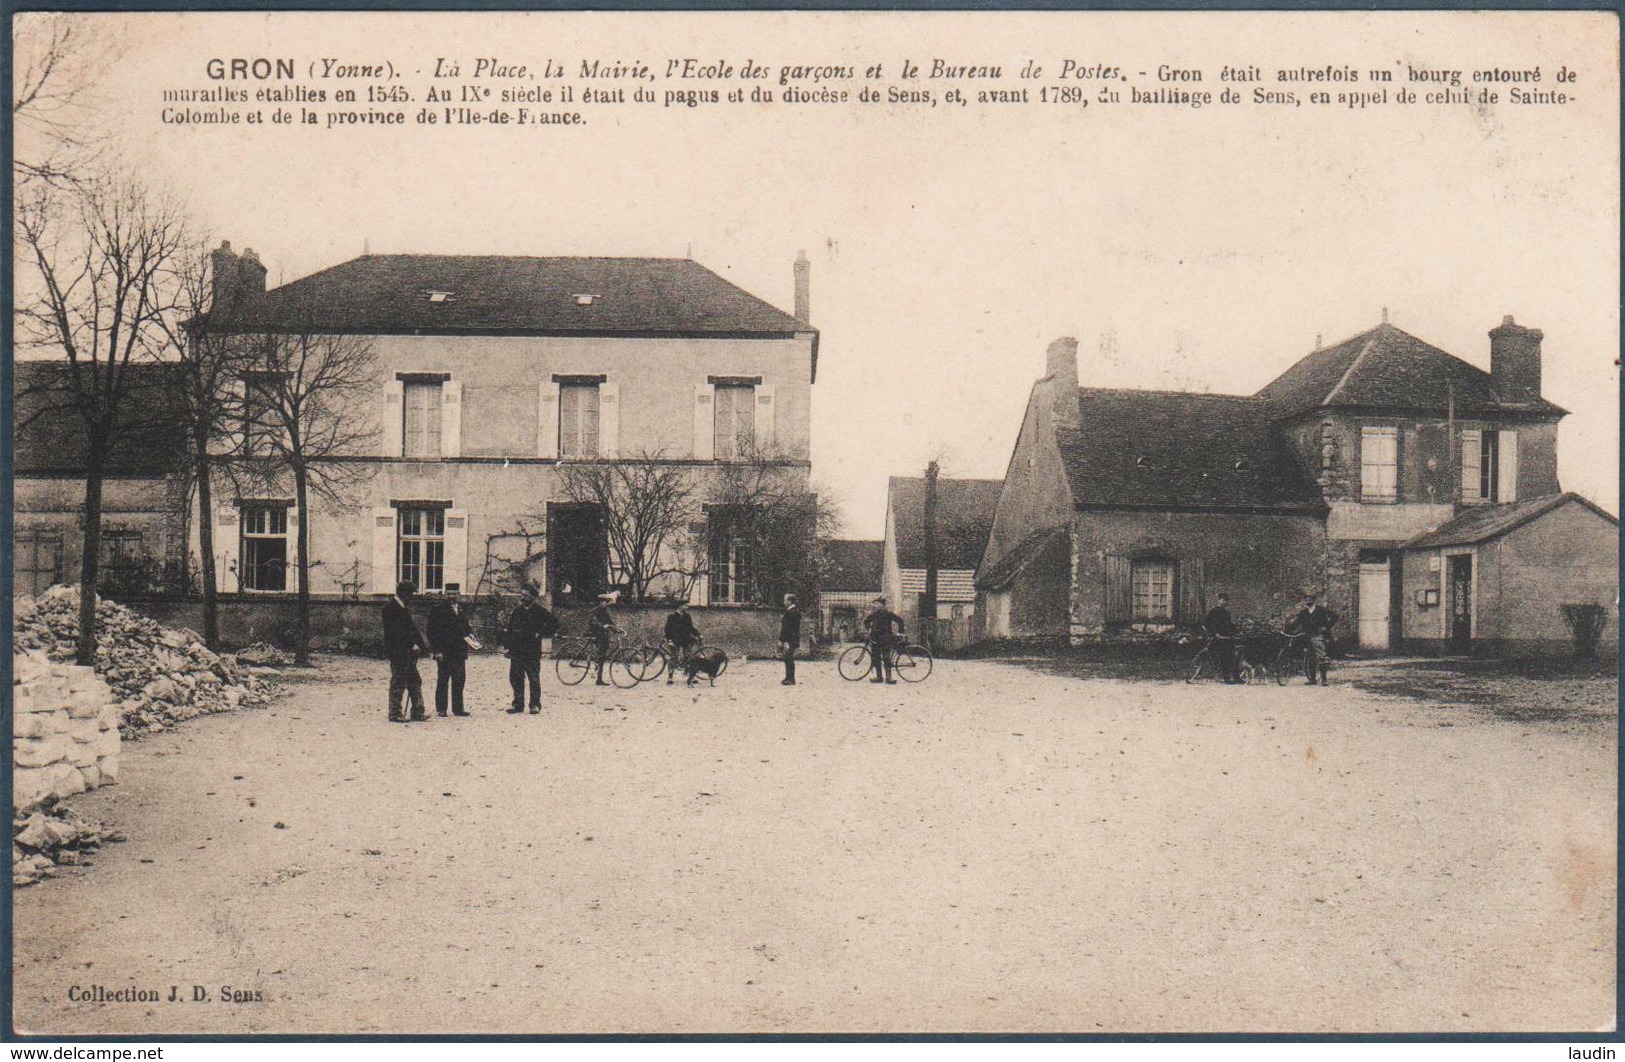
(964, 518)
(1001, 574)
(1482, 523)
(483, 295)
(953, 584)
(852, 565)
(50, 435)
(1175, 449)
(1389, 369)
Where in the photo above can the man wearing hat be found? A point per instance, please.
(885, 629)
(600, 629)
(402, 644)
(1315, 622)
(789, 638)
(448, 636)
(528, 624)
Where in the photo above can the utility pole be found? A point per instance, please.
(928, 599)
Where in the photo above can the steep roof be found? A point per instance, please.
(1176, 449)
(1482, 523)
(1003, 573)
(489, 294)
(49, 434)
(1389, 369)
(964, 518)
(852, 565)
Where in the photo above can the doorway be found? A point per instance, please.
(1461, 603)
(1376, 599)
(577, 553)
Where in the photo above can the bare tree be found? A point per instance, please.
(648, 507)
(57, 61)
(763, 506)
(209, 361)
(106, 257)
(301, 424)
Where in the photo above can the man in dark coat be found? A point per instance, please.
(402, 644)
(684, 637)
(448, 637)
(601, 630)
(789, 638)
(885, 629)
(528, 624)
(1221, 629)
(1314, 622)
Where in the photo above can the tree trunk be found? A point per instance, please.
(301, 623)
(90, 553)
(205, 534)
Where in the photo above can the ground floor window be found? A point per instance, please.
(1153, 591)
(423, 548)
(729, 560)
(265, 548)
(37, 561)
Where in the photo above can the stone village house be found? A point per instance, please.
(964, 518)
(493, 373)
(1416, 492)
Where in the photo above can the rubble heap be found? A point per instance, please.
(158, 676)
(44, 840)
(65, 736)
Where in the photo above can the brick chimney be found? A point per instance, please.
(1515, 361)
(251, 280)
(1061, 380)
(803, 288)
(225, 283)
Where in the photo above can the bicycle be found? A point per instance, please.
(669, 656)
(1206, 662)
(1293, 659)
(911, 663)
(576, 657)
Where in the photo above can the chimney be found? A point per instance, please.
(1515, 361)
(251, 278)
(1061, 377)
(224, 280)
(803, 288)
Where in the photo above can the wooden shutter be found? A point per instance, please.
(393, 415)
(766, 418)
(383, 551)
(451, 418)
(704, 422)
(1119, 590)
(1192, 589)
(1506, 488)
(609, 419)
(1472, 454)
(547, 420)
(457, 548)
(227, 540)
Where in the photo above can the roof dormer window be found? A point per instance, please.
(585, 299)
(438, 296)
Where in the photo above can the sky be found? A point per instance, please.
(1185, 248)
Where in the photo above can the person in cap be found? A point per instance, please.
(683, 636)
(601, 630)
(1221, 630)
(448, 637)
(403, 642)
(528, 624)
(789, 638)
(1314, 622)
(885, 629)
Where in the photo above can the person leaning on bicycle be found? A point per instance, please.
(885, 631)
(683, 636)
(1221, 630)
(1314, 624)
(601, 630)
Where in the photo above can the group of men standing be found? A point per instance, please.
(1313, 622)
(449, 640)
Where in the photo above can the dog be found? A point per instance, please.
(707, 662)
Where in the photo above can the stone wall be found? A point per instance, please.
(65, 736)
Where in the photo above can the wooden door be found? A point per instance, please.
(1461, 603)
(1376, 594)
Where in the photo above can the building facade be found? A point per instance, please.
(494, 376)
(963, 518)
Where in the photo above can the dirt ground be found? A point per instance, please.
(999, 849)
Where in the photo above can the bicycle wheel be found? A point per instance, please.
(1283, 666)
(655, 662)
(625, 667)
(1197, 665)
(573, 664)
(912, 663)
(854, 663)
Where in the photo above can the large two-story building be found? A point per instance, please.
(1416, 492)
(492, 375)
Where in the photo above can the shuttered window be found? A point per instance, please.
(735, 420)
(423, 548)
(578, 420)
(421, 429)
(1153, 590)
(1379, 464)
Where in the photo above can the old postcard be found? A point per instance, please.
(741, 522)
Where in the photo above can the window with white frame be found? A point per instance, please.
(1152, 583)
(420, 429)
(1379, 464)
(578, 419)
(264, 551)
(729, 558)
(422, 553)
(735, 420)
